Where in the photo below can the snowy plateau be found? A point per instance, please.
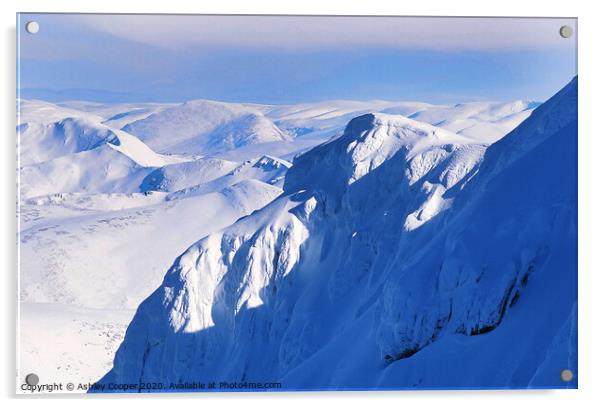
(323, 246)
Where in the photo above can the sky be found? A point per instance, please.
(292, 59)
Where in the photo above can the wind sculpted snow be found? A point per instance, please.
(292, 256)
(396, 252)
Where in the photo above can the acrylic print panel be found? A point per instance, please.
(296, 203)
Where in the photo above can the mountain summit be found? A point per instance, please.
(396, 252)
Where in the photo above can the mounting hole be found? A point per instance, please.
(566, 375)
(32, 379)
(32, 27)
(566, 31)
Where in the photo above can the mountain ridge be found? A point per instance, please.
(256, 285)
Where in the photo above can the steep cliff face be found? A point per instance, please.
(396, 242)
(519, 212)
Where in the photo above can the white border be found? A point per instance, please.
(590, 172)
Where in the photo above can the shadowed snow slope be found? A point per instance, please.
(397, 252)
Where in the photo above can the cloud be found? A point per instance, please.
(303, 32)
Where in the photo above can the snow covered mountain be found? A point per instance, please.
(95, 210)
(110, 194)
(202, 126)
(213, 174)
(395, 253)
(65, 151)
(483, 121)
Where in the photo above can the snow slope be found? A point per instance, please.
(61, 150)
(484, 121)
(174, 177)
(266, 169)
(116, 115)
(83, 251)
(117, 163)
(48, 131)
(397, 252)
(62, 256)
(68, 343)
(97, 230)
(202, 127)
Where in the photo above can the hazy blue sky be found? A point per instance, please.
(117, 58)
